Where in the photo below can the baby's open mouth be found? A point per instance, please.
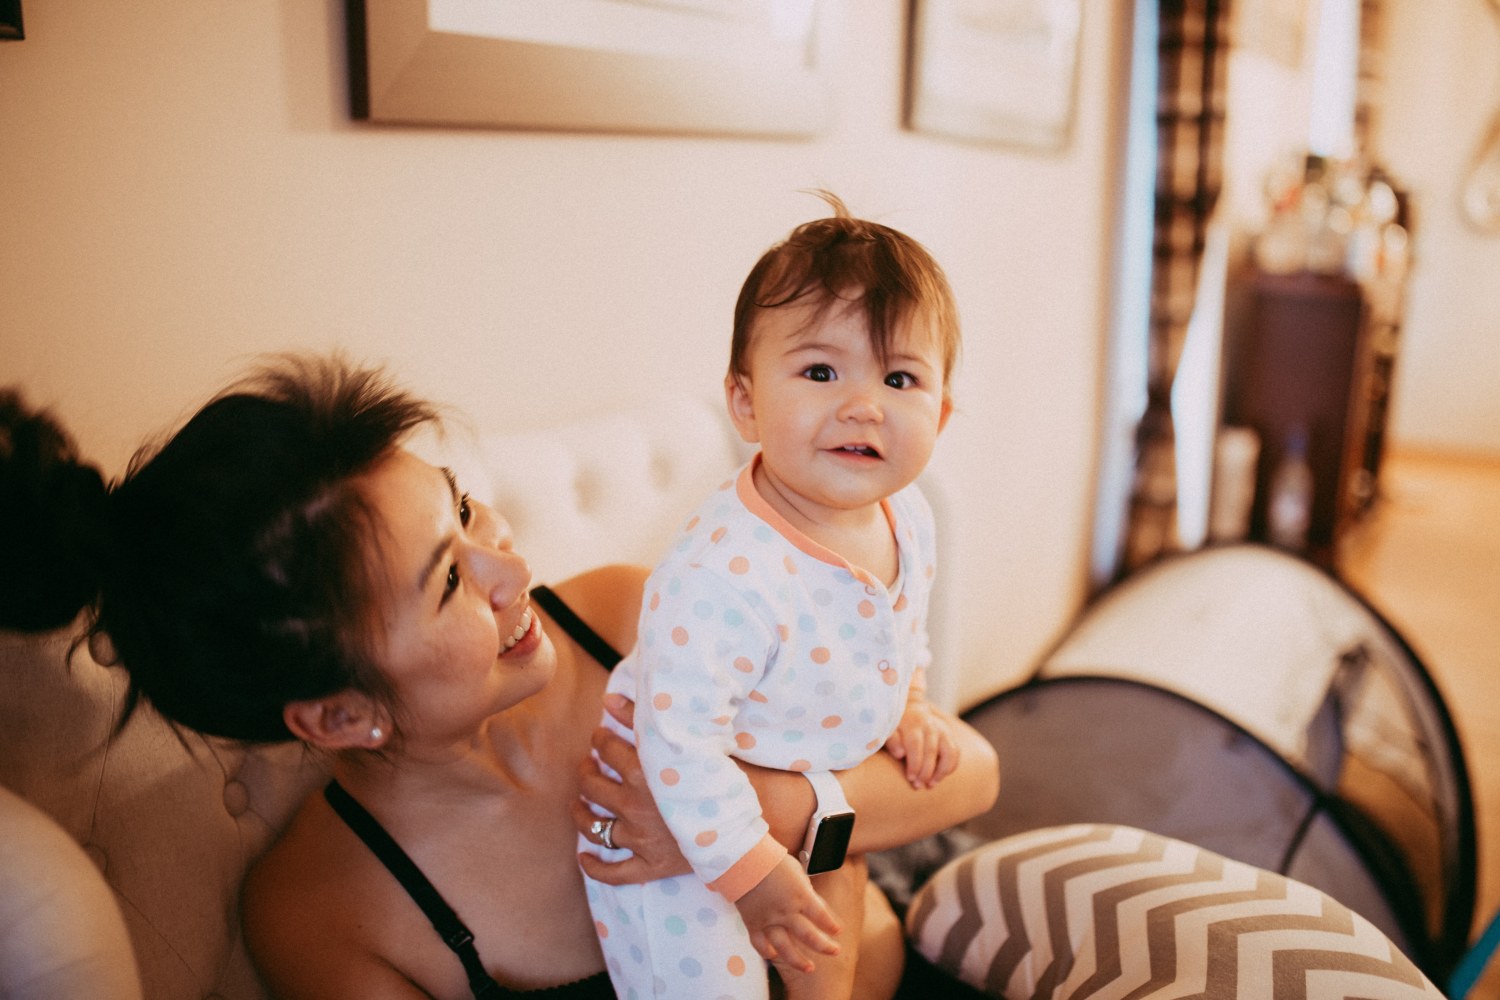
(860, 449)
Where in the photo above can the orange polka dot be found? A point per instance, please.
(833, 722)
(791, 567)
(757, 696)
(866, 609)
(744, 741)
(718, 534)
(739, 565)
(706, 838)
(655, 600)
(889, 676)
(820, 654)
(662, 702)
(680, 636)
(931, 572)
(735, 965)
(669, 776)
(692, 523)
(873, 745)
(783, 632)
(743, 664)
(600, 930)
(800, 765)
(720, 720)
(901, 603)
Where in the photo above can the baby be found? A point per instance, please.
(787, 625)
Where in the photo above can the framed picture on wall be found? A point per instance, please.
(994, 71)
(733, 66)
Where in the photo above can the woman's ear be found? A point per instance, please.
(343, 721)
(741, 412)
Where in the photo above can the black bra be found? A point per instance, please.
(450, 928)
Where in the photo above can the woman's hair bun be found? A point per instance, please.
(53, 521)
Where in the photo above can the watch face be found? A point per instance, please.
(831, 843)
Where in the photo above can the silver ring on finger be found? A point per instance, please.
(603, 829)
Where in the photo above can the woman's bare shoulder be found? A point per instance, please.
(608, 599)
(310, 886)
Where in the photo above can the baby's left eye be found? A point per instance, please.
(465, 510)
(900, 380)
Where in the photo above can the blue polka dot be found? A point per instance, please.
(675, 586)
(838, 751)
(792, 736)
(638, 955)
(733, 618)
(824, 688)
(708, 808)
(700, 705)
(866, 716)
(796, 712)
(807, 623)
(690, 967)
(707, 917)
(676, 926)
(847, 631)
(764, 534)
(856, 693)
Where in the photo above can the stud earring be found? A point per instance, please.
(376, 733)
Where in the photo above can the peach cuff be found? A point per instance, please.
(747, 873)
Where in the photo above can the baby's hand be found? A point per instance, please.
(924, 742)
(787, 919)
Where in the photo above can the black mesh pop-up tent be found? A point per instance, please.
(1243, 700)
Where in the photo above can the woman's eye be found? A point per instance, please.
(900, 380)
(465, 510)
(819, 373)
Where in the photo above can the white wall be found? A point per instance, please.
(183, 189)
(1442, 91)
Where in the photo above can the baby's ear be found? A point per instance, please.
(741, 412)
(341, 721)
(945, 413)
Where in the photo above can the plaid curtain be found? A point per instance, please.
(1192, 57)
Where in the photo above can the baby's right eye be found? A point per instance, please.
(451, 584)
(819, 373)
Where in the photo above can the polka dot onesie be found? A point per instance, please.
(758, 643)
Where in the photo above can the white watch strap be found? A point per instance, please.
(829, 792)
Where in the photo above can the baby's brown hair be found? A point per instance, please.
(831, 261)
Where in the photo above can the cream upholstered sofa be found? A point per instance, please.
(171, 820)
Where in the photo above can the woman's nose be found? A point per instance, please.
(493, 558)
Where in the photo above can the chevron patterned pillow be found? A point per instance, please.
(1106, 911)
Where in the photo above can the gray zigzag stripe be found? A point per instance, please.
(1289, 968)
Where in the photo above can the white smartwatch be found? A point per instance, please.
(832, 822)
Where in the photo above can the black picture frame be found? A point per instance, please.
(12, 29)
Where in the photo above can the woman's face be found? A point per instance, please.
(454, 632)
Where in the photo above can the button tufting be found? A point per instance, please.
(236, 798)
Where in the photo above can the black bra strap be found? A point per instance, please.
(449, 927)
(579, 630)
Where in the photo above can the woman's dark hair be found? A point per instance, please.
(228, 569)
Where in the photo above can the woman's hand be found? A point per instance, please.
(638, 824)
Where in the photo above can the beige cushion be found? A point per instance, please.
(171, 820)
(60, 929)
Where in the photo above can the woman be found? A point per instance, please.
(281, 568)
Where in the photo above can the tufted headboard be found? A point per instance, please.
(173, 819)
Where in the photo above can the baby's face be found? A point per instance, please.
(837, 427)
